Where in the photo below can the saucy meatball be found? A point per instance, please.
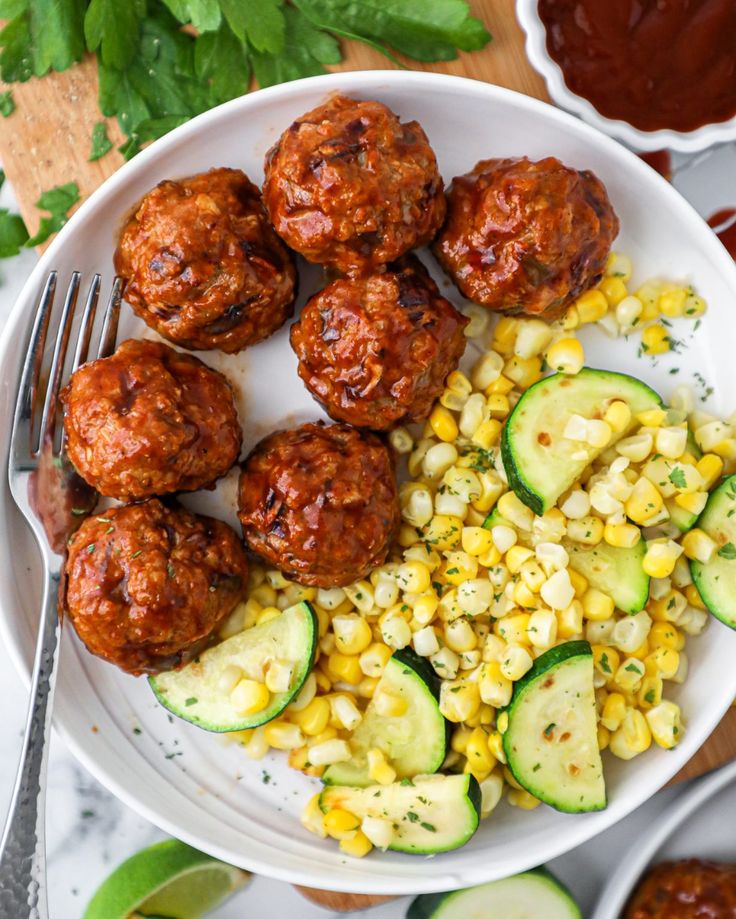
(146, 585)
(689, 889)
(149, 420)
(349, 186)
(203, 267)
(319, 502)
(525, 237)
(375, 351)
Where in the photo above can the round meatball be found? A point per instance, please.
(319, 502)
(203, 267)
(146, 584)
(524, 237)
(349, 186)
(150, 420)
(375, 351)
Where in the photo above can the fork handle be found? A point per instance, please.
(23, 847)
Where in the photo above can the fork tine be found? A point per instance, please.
(109, 332)
(31, 373)
(86, 324)
(57, 361)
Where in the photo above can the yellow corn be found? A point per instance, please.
(495, 689)
(497, 405)
(622, 535)
(597, 606)
(710, 468)
(501, 386)
(668, 608)
(663, 662)
(339, 822)
(520, 798)
(487, 433)
(578, 581)
(693, 597)
(479, 756)
(378, 769)
(514, 629)
(672, 302)
(629, 674)
(459, 700)
(659, 560)
(283, 736)
(523, 371)
(614, 709)
(655, 339)
(604, 737)
(566, 356)
(312, 817)
(632, 737)
(591, 306)
(389, 705)
(697, 545)
(516, 557)
(570, 319)
(650, 692)
(644, 502)
(570, 620)
(587, 530)
(460, 738)
(267, 614)
(443, 424)
(345, 668)
(249, 697)
(618, 416)
(664, 723)
(693, 503)
(352, 634)
(665, 635)
(357, 845)
(476, 540)
(613, 289)
(495, 746)
(443, 532)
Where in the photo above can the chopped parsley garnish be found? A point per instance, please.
(728, 551)
(677, 477)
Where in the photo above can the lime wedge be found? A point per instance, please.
(168, 880)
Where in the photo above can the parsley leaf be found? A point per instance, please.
(421, 30)
(114, 27)
(7, 104)
(57, 202)
(13, 233)
(221, 60)
(204, 15)
(306, 49)
(728, 551)
(261, 23)
(677, 477)
(44, 35)
(101, 143)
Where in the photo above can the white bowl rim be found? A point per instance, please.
(621, 883)
(701, 138)
(581, 830)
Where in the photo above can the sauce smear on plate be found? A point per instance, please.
(653, 63)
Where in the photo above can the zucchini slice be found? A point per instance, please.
(617, 572)
(415, 743)
(535, 894)
(716, 580)
(431, 813)
(551, 742)
(537, 457)
(193, 693)
(682, 519)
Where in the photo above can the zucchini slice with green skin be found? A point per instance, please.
(535, 894)
(617, 572)
(551, 742)
(415, 743)
(193, 693)
(430, 813)
(537, 458)
(716, 580)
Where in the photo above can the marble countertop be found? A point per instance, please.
(90, 832)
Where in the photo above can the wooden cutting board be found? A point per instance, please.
(46, 142)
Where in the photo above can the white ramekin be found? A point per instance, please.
(685, 141)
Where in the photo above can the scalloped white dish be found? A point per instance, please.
(685, 141)
(189, 782)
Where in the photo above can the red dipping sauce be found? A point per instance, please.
(653, 63)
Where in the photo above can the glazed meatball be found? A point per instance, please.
(150, 420)
(524, 237)
(203, 267)
(375, 351)
(319, 502)
(146, 584)
(349, 186)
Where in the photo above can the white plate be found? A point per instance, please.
(685, 141)
(207, 793)
(698, 825)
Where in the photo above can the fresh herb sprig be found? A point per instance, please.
(163, 61)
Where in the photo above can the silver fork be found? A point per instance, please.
(54, 500)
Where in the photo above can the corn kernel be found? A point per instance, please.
(389, 705)
(622, 535)
(588, 530)
(672, 302)
(459, 700)
(655, 339)
(352, 634)
(693, 597)
(632, 737)
(267, 614)
(495, 745)
(312, 719)
(487, 433)
(344, 667)
(644, 501)
(698, 545)
(338, 822)
(495, 688)
(663, 662)
(523, 372)
(542, 633)
(669, 607)
(664, 723)
(283, 736)
(378, 769)
(497, 405)
(665, 635)
(570, 620)
(591, 306)
(357, 844)
(650, 692)
(514, 629)
(629, 675)
(479, 756)
(566, 356)
(520, 798)
(693, 503)
(710, 468)
(249, 697)
(613, 289)
(613, 712)
(443, 424)
(443, 532)
(659, 560)
(476, 540)
(605, 661)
